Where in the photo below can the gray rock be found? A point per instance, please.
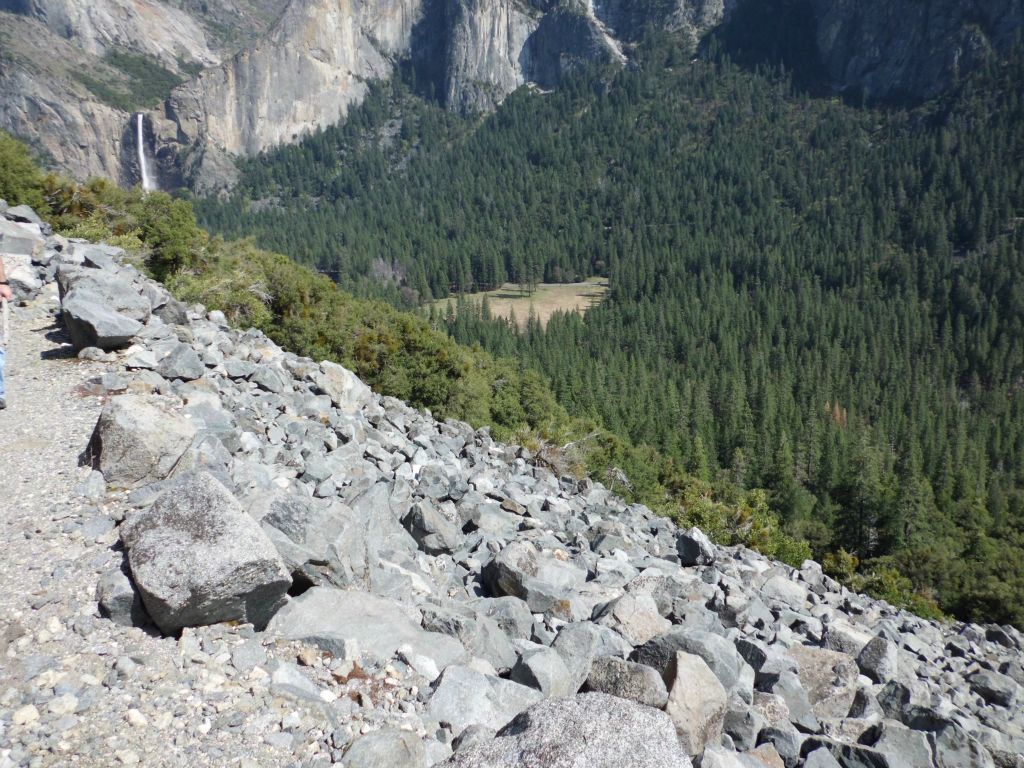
(589, 730)
(844, 636)
(579, 643)
(248, 655)
(955, 748)
(25, 214)
(635, 617)
(344, 388)
(386, 748)
(321, 542)
(829, 679)
(329, 618)
(538, 578)
(900, 745)
(481, 635)
(786, 739)
(879, 660)
(994, 687)
(463, 697)
(119, 601)
(742, 724)
(198, 558)
(820, 758)
(694, 548)
(720, 654)
(137, 441)
(627, 680)
(434, 533)
(91, 323)
(542, 668)
(181, 362)
(789, 687)
(270, 378)
(849, 755)
(697, 703)
(289, 680)
(510, 613)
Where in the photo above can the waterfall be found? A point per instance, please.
(140, 141)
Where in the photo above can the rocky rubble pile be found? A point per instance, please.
(450, 602)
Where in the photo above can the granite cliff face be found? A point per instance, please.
(312, 64)
(909, 49)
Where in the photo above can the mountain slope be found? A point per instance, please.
(805, 296)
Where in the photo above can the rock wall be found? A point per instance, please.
(312, 66)
(895, 50)
(152, 28)
(316, 60)
(515, 617)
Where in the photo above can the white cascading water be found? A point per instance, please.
(147, 183)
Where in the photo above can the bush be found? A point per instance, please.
(20, 178)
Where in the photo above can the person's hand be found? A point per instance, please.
(6, 292)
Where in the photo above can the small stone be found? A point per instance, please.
(136, 719)
(25, 715)
(63, 705)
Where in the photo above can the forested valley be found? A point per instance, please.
(824, 300)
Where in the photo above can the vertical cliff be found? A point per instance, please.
(907, 48)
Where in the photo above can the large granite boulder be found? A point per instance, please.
(590, 730)
(138, 441)
(329, 618)
(697, 703)
(197, 558)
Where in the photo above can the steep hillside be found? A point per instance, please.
(760, 245)
(289, 568)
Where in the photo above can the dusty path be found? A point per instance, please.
(75, 688)
(44, 427)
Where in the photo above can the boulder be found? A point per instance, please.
(543, 669)
(539, 578)
(900, 745)
(137, 441)
(719, 654)
(17, 240)
(635, 617)
(627, 680)
(480, 634)
(328, 618)
(111, 289)
(697, 703)
(789, 687)
(92, 323)
(344, 388)
(320, 541)
(387, 748)
(434, 533)
(828, 677)
(846, 637)
(181, 362)
(994, 687)
(580, 642)
(879, 659)
(694, 548)
(782, 589)
(463, 697)
(197, 558)
(590, 730)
